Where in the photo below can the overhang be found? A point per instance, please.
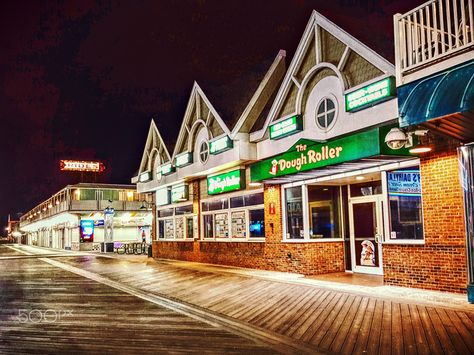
(443, 102)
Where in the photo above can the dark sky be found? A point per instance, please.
(81, 79)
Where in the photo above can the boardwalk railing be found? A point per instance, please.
(431, 32)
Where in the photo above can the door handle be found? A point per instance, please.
(378, 239)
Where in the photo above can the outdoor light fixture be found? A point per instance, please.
(397, 139)
(420, 149)
(255, 184)
(360, 178)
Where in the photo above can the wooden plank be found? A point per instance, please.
(374, 337)
(463, 331)
(418, 337)
(431, 335)
(456, 339)
(443, 336)
(346, 326)
(360, 345)
(468, 323)
(397, 343)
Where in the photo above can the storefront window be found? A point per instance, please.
(404, 195)
(257, 223)
(165, 213)
(208, 226)
(161, 229)
(239, 224)
(215, 205)
(169, 228)
(366, 189)
(111, 195)
(323, 208)
(184, 210)
(179, 228)
(294, 213)
(222, 225)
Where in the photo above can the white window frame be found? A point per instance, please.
(174, 217)
(229, 211)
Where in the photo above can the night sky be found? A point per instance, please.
(82, 79)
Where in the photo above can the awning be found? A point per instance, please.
(443, 102)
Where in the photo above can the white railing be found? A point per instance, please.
(431, 32)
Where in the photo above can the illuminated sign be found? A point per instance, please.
(184, 159)
(79, 165)
(221, 145)
(286, 127)
(145, 176)
(87, 230)
(179, 193)
(404, 183)
(231, 181)
(162, 196)
(370, 94)
(167, 169)
(307, 155)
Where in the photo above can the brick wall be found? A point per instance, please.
(305, 258)
(439, 264)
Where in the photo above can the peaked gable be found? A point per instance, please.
(199, 114)
(155, 152)
(324, 50)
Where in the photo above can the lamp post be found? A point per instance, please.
(146, 205)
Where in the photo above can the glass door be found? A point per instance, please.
(365, 217)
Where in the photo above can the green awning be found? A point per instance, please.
(442, 101)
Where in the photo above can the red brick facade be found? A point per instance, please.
(305, 258)
(439, 264)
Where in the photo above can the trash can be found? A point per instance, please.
(150, 250)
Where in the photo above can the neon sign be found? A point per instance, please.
(80, 165)
(367, 96)
(286, 127)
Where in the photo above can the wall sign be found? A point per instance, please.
(184, 159)
(220, 145)
(167, 169)
(87, 230)
(231, 181)
(179, 193)
(80, 165)
(371, 94)
(145, 176)
(404, 183)
(162, 196)
(307, 155)
(286, 127)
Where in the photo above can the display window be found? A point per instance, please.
(405, 205)
(177, 223)
(237, 218)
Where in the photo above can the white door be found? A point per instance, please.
(366, 230)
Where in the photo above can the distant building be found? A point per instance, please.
(81, 216)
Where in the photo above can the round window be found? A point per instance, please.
(204, 152)
(326, 113)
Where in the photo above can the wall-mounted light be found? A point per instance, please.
(397, 139)
(420, 149)
(255, 184)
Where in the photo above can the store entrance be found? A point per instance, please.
(366, 228)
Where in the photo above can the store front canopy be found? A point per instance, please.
(443, 102)
(306, 159)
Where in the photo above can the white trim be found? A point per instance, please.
(150, 145)
(318, 240)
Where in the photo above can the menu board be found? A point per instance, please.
(222, 225)
(180, 228)
(169, 228)
(239, 224)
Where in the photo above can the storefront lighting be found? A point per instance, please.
(420, 149)
(50, 205)
(360, 178)
(130, 194)
(57, 202)
(255, 184)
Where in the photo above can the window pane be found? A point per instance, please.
(294, 213)
(179, 223)
(208, 226)
(254, 199)
(257, 223)
(366, 189)
(324, 221)
(184, 210)
(239, 224)
(215, 205)
(404, 194)
(165, 213)
(85, 194)
(169, 228)
(329, 105)
(189, 227)
(222, 225)
(161, 229)
(237, 202)
(112, 195)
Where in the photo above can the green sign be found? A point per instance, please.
(144, 177)
(307, 155)
(179, 193)
(162, 196)
(231, 181)
(369, 95)
(220, 145)
(167, 169)
(286, 127)
(184, 159)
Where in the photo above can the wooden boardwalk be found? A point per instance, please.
(331, 321)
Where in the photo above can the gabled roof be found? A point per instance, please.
(154, 145)
(296, 78)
